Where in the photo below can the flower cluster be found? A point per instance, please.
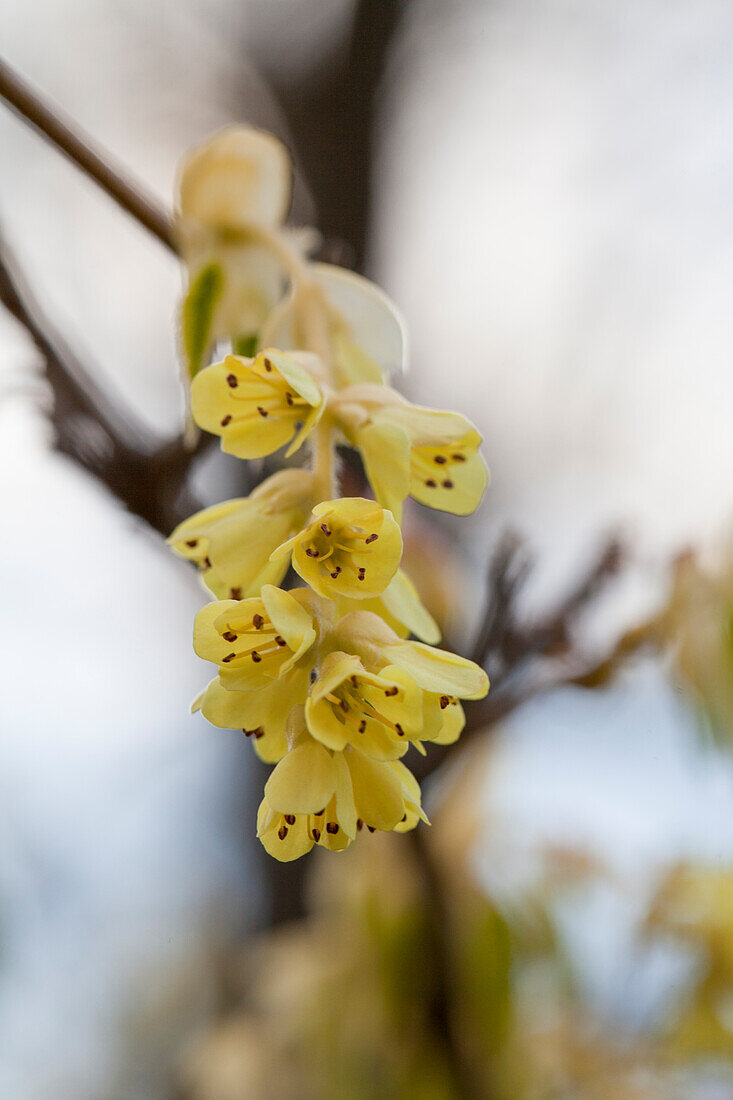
(322, 677)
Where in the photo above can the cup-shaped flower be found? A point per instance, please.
(232, 542)
(318, 797)
(378, 713)
(255, 641)
(352, 547)
(258, 405)
(409, 450)
(436, 671)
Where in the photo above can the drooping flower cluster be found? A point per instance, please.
(323, 678)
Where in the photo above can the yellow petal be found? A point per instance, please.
(345, 808)
(377, 790)
(439, 671)
(207, 641)
(290, 619)
(385, 450)
(283, 840)
(303, 781)
(402, 602)
(459, 492)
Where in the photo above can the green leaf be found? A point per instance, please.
(197, 315)
(245, 345)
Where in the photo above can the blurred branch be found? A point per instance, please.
(34, 110)
(146, 474)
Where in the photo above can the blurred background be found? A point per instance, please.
(543, 188)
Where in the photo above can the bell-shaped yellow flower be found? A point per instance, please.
(258, 405)
(315, 796)
(255, 641)
(436, 671)
(232, 542)
(409, 450)
(351, 548)
(378, 713)
(261, 714)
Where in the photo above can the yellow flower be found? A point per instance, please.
(232, 542)
(257, 640)
(261, 714)
(318, 797)
(436, 671)
(409, 450)
(351, 547)
(257, 405)
(378, 713)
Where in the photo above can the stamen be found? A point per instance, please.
(268, 365)
(403, 818)
(235, 593)
(280, 641)
(354, 681)
(441, 460)
(448, 484)
(282, 832)
(321, 812)
(261, 411)
(229, 636)
(256, 657)
(362, 726)
(326, 530)
(192, 542)
(289, 398)
(359, 824)
(372, 828)
(229, 657)
(311, 552)
(372, 538)
(226, 420)
(344, 706)
(391, 691)
(257, 621)
(431, 484)
(444, 701)
(399, 730)
(316, 835)
(337, 570)
(259, 732)
(332, 828)
(290, 818)
(232, 381)
(206, 563)
(362, 574)
(458, 458)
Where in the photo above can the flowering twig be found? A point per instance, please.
(30, 106)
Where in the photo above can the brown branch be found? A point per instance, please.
(146, 474)
(34, 110)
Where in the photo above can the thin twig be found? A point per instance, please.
(33, 109)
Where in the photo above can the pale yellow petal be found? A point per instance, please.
(439, 671)
(377, 790)
(402, 601)
(303, 781)
(290, 619)
(385, 451)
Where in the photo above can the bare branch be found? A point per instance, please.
(146, 474)
(33, 109)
